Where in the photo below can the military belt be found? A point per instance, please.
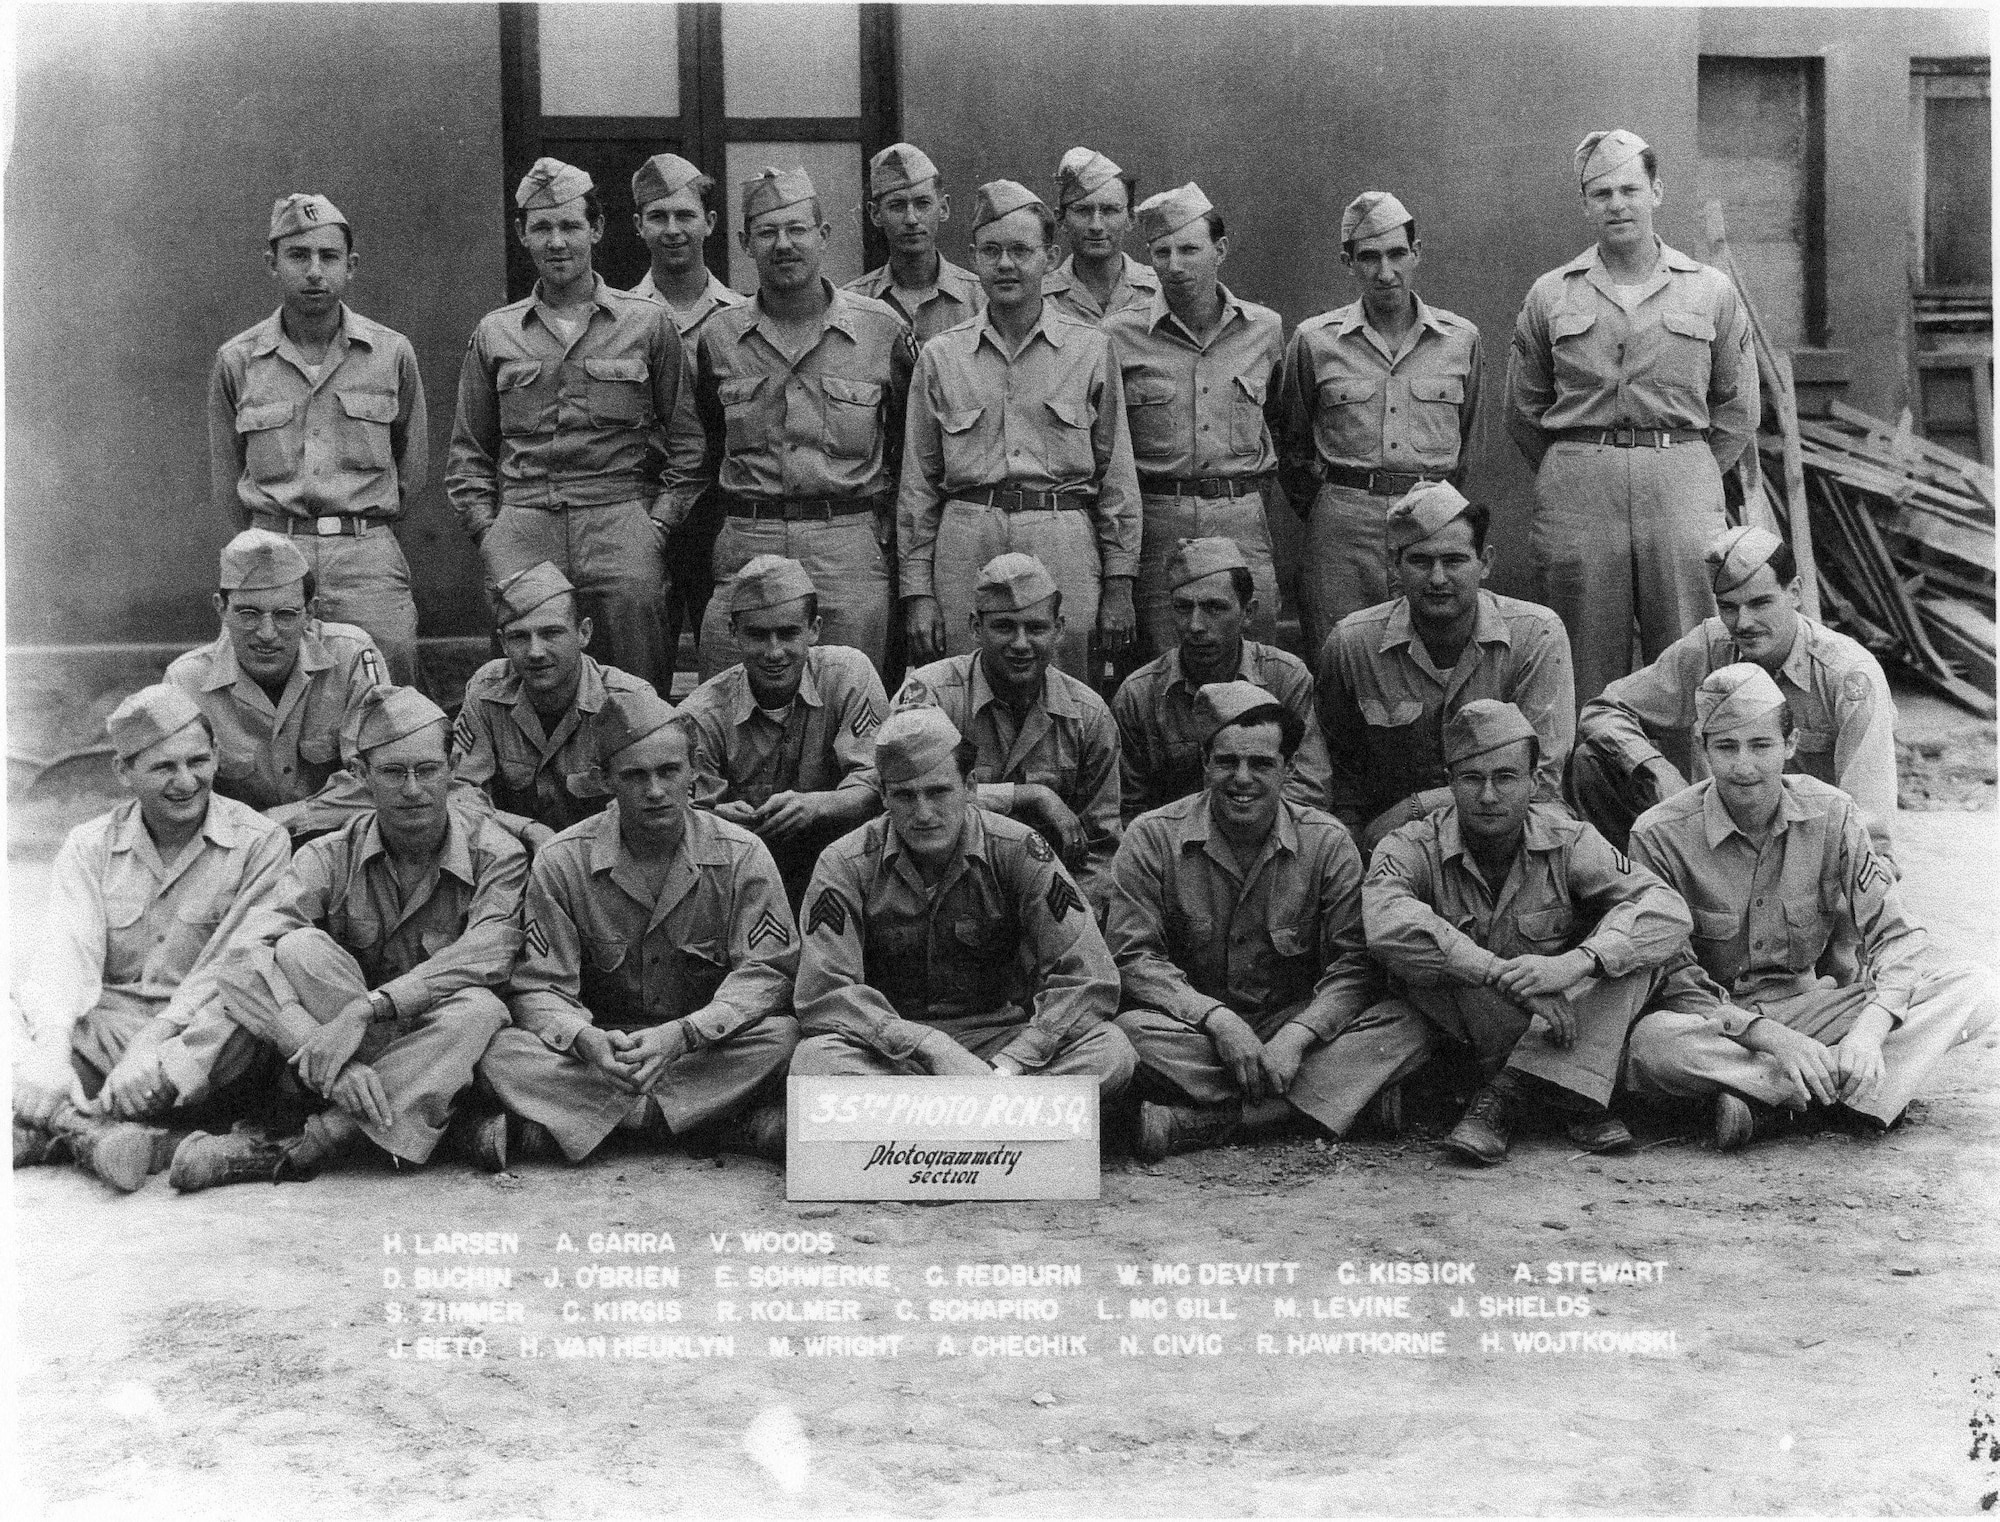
(1378, 483)
(1202, 486)
(1629, 438)
(799, 509)
(1023, 500)
(326, 526)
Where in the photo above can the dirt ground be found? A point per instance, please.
(1832, 1302)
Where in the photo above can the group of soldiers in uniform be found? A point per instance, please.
(1241, 894)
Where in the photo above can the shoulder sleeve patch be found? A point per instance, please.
(1039, 848)
(829, 909)
(1062, 896)
(1856, 687)
(914, 693)
(372, 668)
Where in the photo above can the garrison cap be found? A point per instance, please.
(767, 580)
(1602, 152)
(1371, 213)
(1422, 511)
(1007, 583)
(1734, 555)
(257, 559)
(147, 717)
(662, 175)
(627, 718)
(997, 198)
(1220, 704)
(518, 595)
(774, 189)
(1732, 696)
(1081, 171)
(897, 167)
(551, 183)
(1192, 559)
(390, 713)
(301, 213)
(912, 742)
(1486, 724)
(1171, 210)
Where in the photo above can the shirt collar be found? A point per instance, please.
(701, 841)
(1798, 660)
(600, 297)
(1045, 327)
(972, 837)
(1538, 834)
(1670, 258)
(1199, 825)
(1246, 668)
(1489, 625)
(1157, 312)
(1355, 316)
(743, 701)
(455, 857)
(354, 328)
(839, 313)
(1054, 699)
(223, 670)
(1717, 825)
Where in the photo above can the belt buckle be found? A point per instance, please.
(329, 524)
(1625, 437)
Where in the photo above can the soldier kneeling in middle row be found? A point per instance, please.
(1235, 918)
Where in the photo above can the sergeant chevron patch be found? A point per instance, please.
(828, 909)
(1063, 897)
(538, 943)
(866, 721)
(770, 927)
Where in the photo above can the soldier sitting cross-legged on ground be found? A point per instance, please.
(654, 989)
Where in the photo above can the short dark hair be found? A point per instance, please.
(1217, 228)
(1782, 565)
(312, 589)
(1409, 236)
(1241, 582)
(345, 232)
(1652, 162)
(1048, 220)
(812, 610)
(1291, 728)
(593, 210)
(965, 756)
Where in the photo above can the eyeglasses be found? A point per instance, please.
(284, 620)
(425, 772)
(1019, 253)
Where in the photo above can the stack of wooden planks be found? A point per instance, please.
(1904, 534)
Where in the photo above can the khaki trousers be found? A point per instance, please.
(580, 1106)
(970, 534)
(1384, 1045)
(228, 1053)
(1165, 521)
(1686, 1056)
(1618, 534)
(614, 557)
(1346, 559)
(424, 1061)
(848, 567)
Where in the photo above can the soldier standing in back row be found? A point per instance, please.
(1380, 395)
(1630, 390)
(317, 429)
(1094, 199)
(906, 200)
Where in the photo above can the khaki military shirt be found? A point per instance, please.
(350, 436)
(548, 422)
(120, 920)
(268, 754)
(549, 776)
(1762, 918)
(1066, 741)
(956, 296)
(1383, 705)
(716, 949)
(1200, 409)
(1677, 357)
(1433, 919)
(1159, 745)
(1192, 932)
(828, 425)
(717, 298)
(458, 928)
(1840, 702)
(1050, 418)
(825, 744)
(1136, 285)
(1354, 398)
(886, 957)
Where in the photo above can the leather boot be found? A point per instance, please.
(204, 1161)
(1482, 1134)
(1386, 1110)
(1167, 1129)
(115, 1151)
(756, 1133)
(1598, 1131)
(1740, 1121)
(479, 1139)
(34, 1147)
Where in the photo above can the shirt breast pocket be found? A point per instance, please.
(1434, 415)
(268, 454)
(1570, 350)
(523, 407)
(704, 965)
(616, 392)
(1066, 450)
(853, 414)
(1348, 412)
(364, 429)
(1805, 934)
(1149, 411)
(1246, 414)
(1814, 742)
(1687, 344)
(738, 396)
(1713, 930)
(1546, 931)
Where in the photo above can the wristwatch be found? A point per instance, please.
(380, 1005)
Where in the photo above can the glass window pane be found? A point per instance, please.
(610, 60)
(836, 174)
(1958, 192)
(791, 60)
